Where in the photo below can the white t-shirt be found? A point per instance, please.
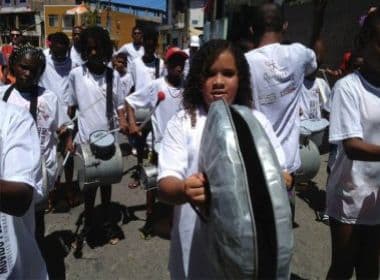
(179, 154)
(20, 156)
(147, 98)
(131, 51)
(143, 74)
(75, 57)
(88, 92)
(126, 84)
(50, 117)
(55, 76)
(277, 74)
(353, 187)
(311, 98)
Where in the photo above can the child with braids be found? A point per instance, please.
(353, 188)
(27, 65)
(218, 71)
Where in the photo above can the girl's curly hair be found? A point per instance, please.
(199, 68)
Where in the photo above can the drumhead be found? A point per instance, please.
(102, 138)
(313, 125)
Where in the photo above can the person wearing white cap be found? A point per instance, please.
(193, 48)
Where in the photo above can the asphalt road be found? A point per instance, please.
(136, 258)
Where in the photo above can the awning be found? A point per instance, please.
(78, 10)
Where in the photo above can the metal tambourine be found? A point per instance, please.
(248, 225)
(100, 161)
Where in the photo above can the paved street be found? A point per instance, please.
(135, 258)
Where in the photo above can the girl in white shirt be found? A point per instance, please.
(218, 71)
(353, 189)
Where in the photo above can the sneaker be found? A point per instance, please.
(325, 219)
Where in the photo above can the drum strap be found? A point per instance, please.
(109, 105)
(33, 101)
(157, 67)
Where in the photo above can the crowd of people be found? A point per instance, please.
(53, 99)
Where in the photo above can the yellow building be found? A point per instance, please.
(58, 18)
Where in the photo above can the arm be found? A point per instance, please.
(133, 129)
(122, 120)
(17, 181)
(357, 149)
(318, 17)
(15, 197)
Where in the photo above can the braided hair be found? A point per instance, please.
(22, 51)
(199, 70)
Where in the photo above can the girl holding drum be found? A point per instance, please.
(353, 189)
(218, 71)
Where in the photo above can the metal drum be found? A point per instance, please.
(100, 161)
(141, 114)
(310, 161)
(311, 138)
(248, 226)
(314, 129)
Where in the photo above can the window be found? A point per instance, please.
(53, 20)
(7, 2)
(22, 1)
(68, 21)
(194, 22)
(27, 21)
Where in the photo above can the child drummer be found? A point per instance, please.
(172, 87)
(87, 93)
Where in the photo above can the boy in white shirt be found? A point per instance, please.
(20, 186)
(75, 56)
(172, 86)
(134, 49)
(148, 67)
(120, 64)
(58, 65)
(87, 94)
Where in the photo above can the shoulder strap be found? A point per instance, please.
(33, 100)
(8, 93)
(157, 66)
(33, 103)
(109, 103)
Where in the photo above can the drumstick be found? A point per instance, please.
(60, 170)
(160, 97)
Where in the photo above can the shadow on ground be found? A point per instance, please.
(313, 196)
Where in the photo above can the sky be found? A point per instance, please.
(154, 4)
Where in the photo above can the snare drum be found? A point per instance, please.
(102, 144)
(310, 162)
(314, 129)
(100, 162)
(141, 114)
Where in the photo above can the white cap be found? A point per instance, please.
(194, 41)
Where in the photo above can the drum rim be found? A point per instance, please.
(105, 136)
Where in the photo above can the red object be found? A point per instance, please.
(346, 61)
(175, 51)
(160, 96)
(7, 51)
